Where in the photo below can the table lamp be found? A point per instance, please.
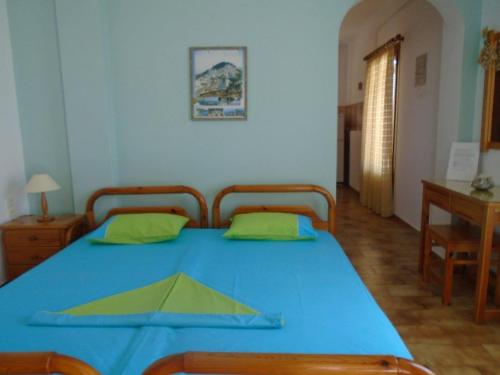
(41, 183)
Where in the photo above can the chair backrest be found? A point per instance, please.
(43, 363)
(273, 364)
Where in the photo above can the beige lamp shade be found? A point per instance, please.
(41, 183)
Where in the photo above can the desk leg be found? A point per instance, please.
(483, 272)
(424, 221)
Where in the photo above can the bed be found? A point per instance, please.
(326, 307)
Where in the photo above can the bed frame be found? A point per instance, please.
(43, 363)
(290, 364)
(148, 190)
(328, 225)
(220, 363)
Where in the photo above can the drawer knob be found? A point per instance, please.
(33, 238)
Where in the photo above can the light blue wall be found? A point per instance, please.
(125, 77)
(292, 92)
(471, 12)
(124, 67)
(86, 80)
(40, 97)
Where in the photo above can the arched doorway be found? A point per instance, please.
(428, 113)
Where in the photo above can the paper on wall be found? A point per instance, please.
(464, 160)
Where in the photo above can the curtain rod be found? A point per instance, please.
(396, 40)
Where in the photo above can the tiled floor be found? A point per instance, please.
(385, 254)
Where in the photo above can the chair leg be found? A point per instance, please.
(448, 277)
(427, 255)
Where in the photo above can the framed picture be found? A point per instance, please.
(218, 83)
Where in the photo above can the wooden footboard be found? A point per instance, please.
(270, 364)
(222, 363)
(43, 363)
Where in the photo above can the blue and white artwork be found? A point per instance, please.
(218, 83)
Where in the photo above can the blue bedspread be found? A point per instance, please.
(326, 307)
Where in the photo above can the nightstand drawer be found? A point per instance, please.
(23, 238)
(29, 255)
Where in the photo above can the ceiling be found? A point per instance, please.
(368, 13)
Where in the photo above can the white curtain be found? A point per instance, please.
(377, 145)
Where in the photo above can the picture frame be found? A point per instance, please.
(218, 81)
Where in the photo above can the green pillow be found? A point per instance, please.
(139, 228)
(271, 226)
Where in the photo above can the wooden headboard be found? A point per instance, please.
(149, 190)
(328, 225)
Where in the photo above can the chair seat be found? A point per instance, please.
(461, 244)
(460, 237)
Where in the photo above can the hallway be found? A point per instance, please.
(385, 254)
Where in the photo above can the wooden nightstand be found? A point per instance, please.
(27, 242)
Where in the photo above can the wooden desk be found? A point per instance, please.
(480, 208)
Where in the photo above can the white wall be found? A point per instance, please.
(12, 178)
(354, 67)
(421, 25)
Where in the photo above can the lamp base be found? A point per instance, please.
(45, 219)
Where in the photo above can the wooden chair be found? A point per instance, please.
(460, 243)
(43, 363)
(283, 364)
